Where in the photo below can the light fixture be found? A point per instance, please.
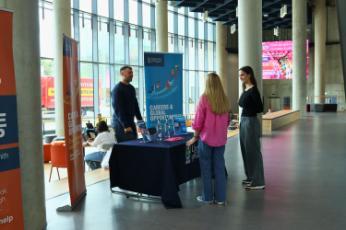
(205, 16)
(283, 11)
(276, 31)
(266, 15)
(233, 28)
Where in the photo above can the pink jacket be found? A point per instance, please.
(213, 127)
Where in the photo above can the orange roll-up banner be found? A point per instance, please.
(11, 210)
(72, 118)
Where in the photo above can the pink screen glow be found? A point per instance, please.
(277, 60)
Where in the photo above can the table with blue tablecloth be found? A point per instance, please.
(156, 168)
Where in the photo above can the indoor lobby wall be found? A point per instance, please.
(276, 88)
(334, 76)
(334, 80)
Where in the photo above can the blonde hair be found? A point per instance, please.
(216, 95)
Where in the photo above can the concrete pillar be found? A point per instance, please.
(222, 66)
(299, 89)
(62, 25)
(250, 38)
(234, 74)
(27, 70)
(161, 13)
(320, 35)
(341, 8)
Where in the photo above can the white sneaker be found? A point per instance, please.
(221, 203)
(200, 199)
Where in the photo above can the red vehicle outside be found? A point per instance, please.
(47, 92)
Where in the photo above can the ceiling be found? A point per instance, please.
(225, 11)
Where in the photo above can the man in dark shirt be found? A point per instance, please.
(125, 106)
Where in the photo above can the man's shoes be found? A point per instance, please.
(246, 182)
(200, 199)
(253, 187)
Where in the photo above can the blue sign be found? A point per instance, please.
(8, 120)
(163, 86)
(9, 159)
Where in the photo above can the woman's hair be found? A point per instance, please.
(102, 127)
(216, 95)
(248, 70)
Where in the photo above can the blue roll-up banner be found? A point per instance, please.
(164, 86)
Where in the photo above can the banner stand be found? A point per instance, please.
(11, 205)
(163, 85)
(72, 125)
(69, 208)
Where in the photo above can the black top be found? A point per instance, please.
(125, 105)
(251, 102)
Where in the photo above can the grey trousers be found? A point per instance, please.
(251, 150)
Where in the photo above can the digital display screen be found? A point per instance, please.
(277, 60)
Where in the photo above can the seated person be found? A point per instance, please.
(103, 141)
(89, 131)
(100, 118)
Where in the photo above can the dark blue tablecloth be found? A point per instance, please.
(154, 168)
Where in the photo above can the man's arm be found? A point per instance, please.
(138, 112)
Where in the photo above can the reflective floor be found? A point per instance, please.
(305, 169)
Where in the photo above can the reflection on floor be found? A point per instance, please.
(305, 167)
(59, 187)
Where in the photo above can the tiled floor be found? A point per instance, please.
(305, 168)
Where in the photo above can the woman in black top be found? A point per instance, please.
(251, 103)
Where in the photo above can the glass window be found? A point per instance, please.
(210, 32)
(103, 40)
(87, 91)
(200, 55)
(200, 29)
(85, 5)
(47, 67)
(185, 92)
(146, 15)
(210, 56)
(119, 10)
(133, 12)
(201, 80)
(119, 50)
(170, 43)
(104, 91)
(181, 45)
(192, 45)
(170, 22)
(192, 92)
(133, 50)
(47, 34)
(192, 54)
(147, 41)
(135, 80)
(191, 14)
(102, 8)
(191, 27)
(85, 38)
(181, 23)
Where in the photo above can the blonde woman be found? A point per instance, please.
(210, 125)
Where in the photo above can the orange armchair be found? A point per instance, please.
(58, 156)
(46, 152)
